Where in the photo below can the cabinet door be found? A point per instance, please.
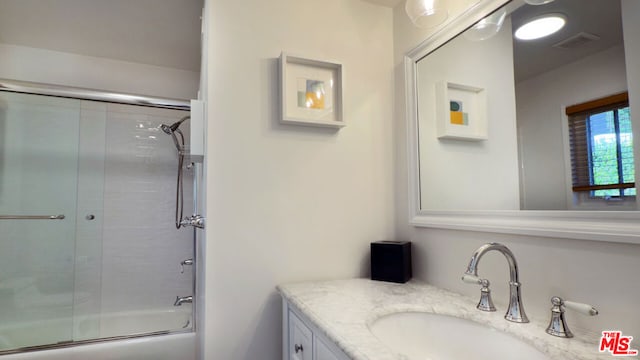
(323, 352)
(300, 339)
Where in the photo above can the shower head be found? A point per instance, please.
(170, 129)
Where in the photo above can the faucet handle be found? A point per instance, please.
(183, 263)
(485, 303)
(584, 309)
(471, 279)
(558, 325)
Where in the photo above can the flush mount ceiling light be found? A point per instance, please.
(540, 27)
(537, 2)
(426, 13)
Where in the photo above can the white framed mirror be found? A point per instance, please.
(474, 74)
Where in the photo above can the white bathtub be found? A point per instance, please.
(161, 347)
(158, 347)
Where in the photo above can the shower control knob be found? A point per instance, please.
(298, 348)
(193, 220)
(90, 217)
(185, 262)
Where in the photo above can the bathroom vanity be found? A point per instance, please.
(361, 319)
(304, 340)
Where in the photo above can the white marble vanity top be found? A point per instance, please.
(344, 309)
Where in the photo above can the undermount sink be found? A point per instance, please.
(421, 336)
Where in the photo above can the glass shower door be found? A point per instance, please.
(106, 265)
(38, 177)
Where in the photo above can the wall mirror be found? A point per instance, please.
(532, 136)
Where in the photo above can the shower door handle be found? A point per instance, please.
(32, 217)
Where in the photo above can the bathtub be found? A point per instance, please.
(112, 345)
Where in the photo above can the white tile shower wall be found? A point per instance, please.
(142, 248)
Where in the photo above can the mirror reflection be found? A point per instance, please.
(531, 109)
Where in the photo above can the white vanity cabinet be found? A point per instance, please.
(303, 341)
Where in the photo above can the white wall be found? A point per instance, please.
(485, 173)
(53, 67)
(541, 102)
(290, 203)
(603, 274)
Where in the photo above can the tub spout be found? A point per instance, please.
(183, 299)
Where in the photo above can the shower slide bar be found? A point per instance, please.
(32, 217)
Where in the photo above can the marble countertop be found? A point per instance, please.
(344, 309)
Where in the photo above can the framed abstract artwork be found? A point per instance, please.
(461, 112)
(310, 92)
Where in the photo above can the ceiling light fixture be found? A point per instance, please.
(540, 27)
(426, 13)
(487, 27)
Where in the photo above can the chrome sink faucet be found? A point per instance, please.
(515, 312)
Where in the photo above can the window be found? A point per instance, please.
(601, 145)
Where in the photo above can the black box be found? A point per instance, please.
(391, 261)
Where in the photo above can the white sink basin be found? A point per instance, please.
(421, 336)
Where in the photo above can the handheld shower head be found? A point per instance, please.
(178, 141)
(166, 128)
(173, 129)
(170, 129)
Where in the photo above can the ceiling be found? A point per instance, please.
(167, 32)
(598, 17)
(156, 32)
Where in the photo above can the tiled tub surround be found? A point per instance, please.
(344, 309)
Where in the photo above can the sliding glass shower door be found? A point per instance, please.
(38, 179)
(88, 245)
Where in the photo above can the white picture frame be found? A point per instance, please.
(310, 92)
(468, 121)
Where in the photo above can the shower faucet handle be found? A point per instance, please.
(193, 220)
(183, 263)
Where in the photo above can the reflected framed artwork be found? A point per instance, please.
(310, 92)
(461, 112)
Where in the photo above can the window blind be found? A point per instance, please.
(580, 142)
